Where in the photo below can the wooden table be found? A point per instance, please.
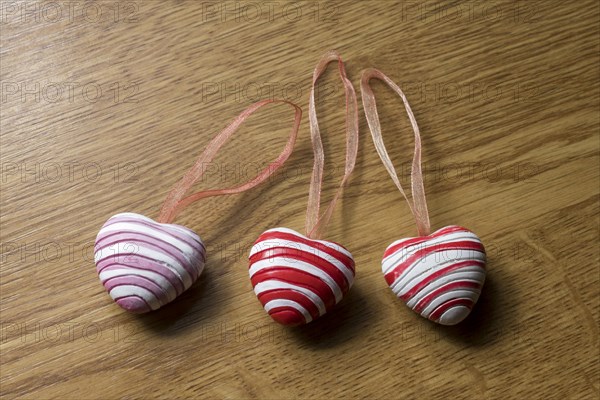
(106, 104)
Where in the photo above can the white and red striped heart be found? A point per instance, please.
(144, 264)
(439, 276)
(298, 279)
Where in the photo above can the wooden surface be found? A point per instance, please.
(102, 112)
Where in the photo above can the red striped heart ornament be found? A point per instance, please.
(298, 279)
(439, 276)
(144, 264)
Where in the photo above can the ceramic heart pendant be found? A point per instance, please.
(439, 276)
(298, 279)
(144, 264)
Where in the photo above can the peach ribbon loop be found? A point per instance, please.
(315, 224)
(175, 201)
(419, 205)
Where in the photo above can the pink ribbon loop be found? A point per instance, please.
(175, 201)
(418, 207)
(315, 224)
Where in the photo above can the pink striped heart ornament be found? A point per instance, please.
(145, 264)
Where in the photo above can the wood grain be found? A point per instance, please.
(106, 104)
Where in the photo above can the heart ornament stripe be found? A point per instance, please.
(298, 279)
(439, 276)
(144, 264)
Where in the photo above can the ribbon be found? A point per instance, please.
(315, 224)
(175, 201)
(419, 205)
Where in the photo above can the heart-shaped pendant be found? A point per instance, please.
(144, 264)
(298, 279)
(439, 276)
